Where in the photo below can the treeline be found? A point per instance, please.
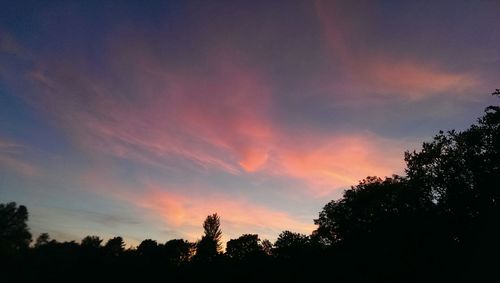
(439, 223)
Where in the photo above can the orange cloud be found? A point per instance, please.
(224, 126)
(216, 120)
(238, 216)
(217, 117)
(417, 79)
(330, 163)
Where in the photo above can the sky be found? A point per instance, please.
(140, 118)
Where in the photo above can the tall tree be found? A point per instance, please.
(14, 232)
(461, 171)
(210, 244)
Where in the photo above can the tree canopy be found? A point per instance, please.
(245, 246)
(14, 231)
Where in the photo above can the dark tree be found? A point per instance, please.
(267, 247)
(245, 246)
(91, 242)
(461, 172)
(370, 207)
(431, 222)
(210, 244)
(212, 230)
(14, 232)
(114, 246)
(148, 247)
(178, 251)
(42, 240)
(291, 245)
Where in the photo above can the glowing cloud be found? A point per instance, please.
(330, 163)
(377, 70)
(238, 216)
(216, 120)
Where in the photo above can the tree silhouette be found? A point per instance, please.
(210, 244)
(290, 245)
(14, 232)
(244, 247)
(267, 247)
(147, 247)
(114, 246)
(368, 208)
(91, 242)
(443, 213)
(212, 229)
(460, 171)
(178, 251)
(42, 239)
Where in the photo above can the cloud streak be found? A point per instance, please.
(11, 157)
(373, 69)
(187, 213)
(216, 118)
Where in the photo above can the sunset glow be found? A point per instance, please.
(141, 121)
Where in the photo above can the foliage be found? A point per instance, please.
(114, 246)
(210, 244)
(43, 239)
(267, 247)
(372, 206)
(147, 247)
(245, 246)
(289, 244)
(14, 232)
(91, 242)
(179, 251)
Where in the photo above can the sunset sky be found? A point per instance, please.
(140, 118)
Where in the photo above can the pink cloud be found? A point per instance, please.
(183, 209)
(376, 70)
(220, 121)
(187, 213)
(329, 163)
(217, 116)
(215, 120)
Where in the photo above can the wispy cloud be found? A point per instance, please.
(374, 70)
(219, 118)
(186, 212)
(215, 120)
(12, 157)
(328, 163)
